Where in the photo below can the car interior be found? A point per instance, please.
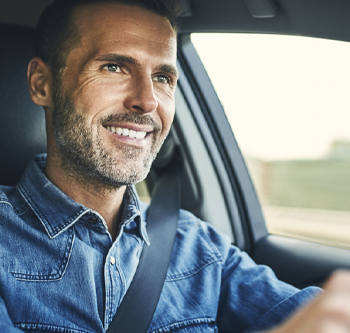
(216, 183)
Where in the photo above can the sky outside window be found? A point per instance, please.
(286, 97)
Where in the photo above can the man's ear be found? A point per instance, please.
(39, 82)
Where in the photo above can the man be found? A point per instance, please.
(73, 228)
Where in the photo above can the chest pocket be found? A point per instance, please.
(42, 259)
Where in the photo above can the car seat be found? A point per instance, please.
(22, 125)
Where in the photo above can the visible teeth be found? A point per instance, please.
(140, 135)
(132, 134)
(126, 132)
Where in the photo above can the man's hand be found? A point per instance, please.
(328, 313)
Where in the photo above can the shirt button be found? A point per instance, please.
(112, 260)
(93, 220)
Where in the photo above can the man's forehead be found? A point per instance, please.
(102, 17)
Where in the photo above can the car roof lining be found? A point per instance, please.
(314, 18)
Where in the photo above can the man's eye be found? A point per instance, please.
(112, 68)
(162, 79)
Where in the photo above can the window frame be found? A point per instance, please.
(249, 226)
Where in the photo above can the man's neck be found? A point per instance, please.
(107, 202)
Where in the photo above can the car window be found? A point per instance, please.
(143, 192)
(286, 99)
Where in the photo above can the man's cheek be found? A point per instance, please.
(99, 93)
(168, 119)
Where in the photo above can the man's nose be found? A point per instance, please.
(141, 97)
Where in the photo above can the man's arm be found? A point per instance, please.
(328, 313)
(6, 325)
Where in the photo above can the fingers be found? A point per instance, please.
(328, 313)
(335, 302)
(331, 310)
(331, 326)
(339, 281)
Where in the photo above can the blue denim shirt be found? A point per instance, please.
(61, 272)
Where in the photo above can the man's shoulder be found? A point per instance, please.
(14, 210)
(5, 192)
(185, 217)
(11, 195)
(194, 234)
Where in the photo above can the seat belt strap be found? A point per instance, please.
(136, 310)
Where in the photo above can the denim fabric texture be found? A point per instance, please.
(60, 271)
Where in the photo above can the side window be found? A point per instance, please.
(143, 192)
(287, 100)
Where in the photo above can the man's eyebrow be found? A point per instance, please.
(117, 58)
(170, 69)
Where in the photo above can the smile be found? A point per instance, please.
(126, 132)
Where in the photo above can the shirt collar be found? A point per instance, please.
(57, 211)
(132, 211)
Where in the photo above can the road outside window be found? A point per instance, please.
(287, 100)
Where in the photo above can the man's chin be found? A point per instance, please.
(123, 175)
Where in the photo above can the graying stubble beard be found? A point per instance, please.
(86, 159)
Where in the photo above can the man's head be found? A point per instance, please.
(114, 70)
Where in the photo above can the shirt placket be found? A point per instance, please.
(113, 283)
(115, 279)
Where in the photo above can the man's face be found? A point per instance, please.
(115, 104)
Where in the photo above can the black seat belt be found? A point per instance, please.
(136, 310)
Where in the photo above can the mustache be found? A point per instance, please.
(131, 117)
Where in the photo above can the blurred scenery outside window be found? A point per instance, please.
(287, 100)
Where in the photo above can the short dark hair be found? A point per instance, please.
(57, 34)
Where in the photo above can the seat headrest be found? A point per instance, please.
(22, 124)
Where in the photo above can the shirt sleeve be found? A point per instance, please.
(252, 299)
(6, 325)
